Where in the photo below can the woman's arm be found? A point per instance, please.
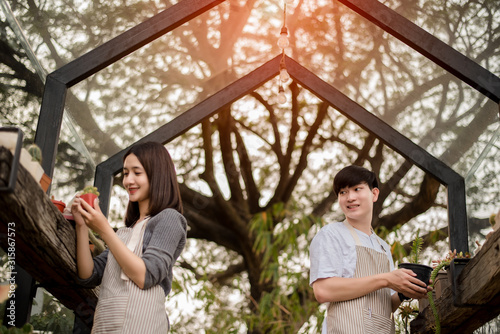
(165, 237)
(84, 263)
(132, 265)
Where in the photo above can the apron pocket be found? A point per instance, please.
(377, 323)
(110, 315)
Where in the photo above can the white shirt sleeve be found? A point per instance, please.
(331, 255)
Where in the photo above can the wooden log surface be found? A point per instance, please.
(478, 293)
(45, 244)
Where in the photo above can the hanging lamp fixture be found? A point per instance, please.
(283, 43)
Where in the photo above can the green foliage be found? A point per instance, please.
(26, 329)
(416, 248)
(35, 152)
(90, 190)
(54, 317)
(492, 219)
(280, 239)
(407, 312)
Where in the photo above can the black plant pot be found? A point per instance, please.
(423, 273)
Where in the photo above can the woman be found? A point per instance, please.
(135, 272)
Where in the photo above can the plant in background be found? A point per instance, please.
(423, 272)
(416, 249)
(35, 152)
(90, 190)
(407, 312)
(26, 329)
(438, 266)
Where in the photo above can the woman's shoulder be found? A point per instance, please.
(168, 216)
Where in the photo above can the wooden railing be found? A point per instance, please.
(478, 295)
(44, 240)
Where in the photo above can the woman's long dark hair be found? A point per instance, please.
(163, 187)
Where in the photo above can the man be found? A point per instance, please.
(352, 268)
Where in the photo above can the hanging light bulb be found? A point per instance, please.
(284, 76)
(281, 95)
(283, 40)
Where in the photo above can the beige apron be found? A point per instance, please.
(371, 313)
(123, 307)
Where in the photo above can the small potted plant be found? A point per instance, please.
(423, 271)
(32, 162)
(89, 194)
(60, 205)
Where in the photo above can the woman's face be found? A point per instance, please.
(135, 180)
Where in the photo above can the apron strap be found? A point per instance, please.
(353, 233)
(356, 237)
(135, 241)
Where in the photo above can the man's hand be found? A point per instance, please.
(406, 282)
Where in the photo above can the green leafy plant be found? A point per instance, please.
(90, 190)
(26, 329)
(492, 219)
(416, 248)
(35, 152)
(440, 265)
(407, 312)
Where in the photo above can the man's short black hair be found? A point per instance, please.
(352, 175)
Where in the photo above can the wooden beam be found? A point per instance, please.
(131, 40)
(42, 241)
(428, 45)
(478, 289)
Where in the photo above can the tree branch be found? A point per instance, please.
(253, 194)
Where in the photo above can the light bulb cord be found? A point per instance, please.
(284, 14)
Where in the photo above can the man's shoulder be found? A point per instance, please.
(331, 231)
(332, 227)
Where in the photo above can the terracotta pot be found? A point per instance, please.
(59, 205)
(45, 182)
(89, 198)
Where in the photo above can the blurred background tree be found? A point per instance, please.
(256, 178)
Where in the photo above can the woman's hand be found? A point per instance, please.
(91, 217)
(76, 213)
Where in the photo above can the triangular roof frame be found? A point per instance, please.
(57, 83)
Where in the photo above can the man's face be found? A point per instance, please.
(357, 202)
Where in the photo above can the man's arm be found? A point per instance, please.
(336, 289)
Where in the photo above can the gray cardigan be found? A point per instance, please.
(164, 239)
